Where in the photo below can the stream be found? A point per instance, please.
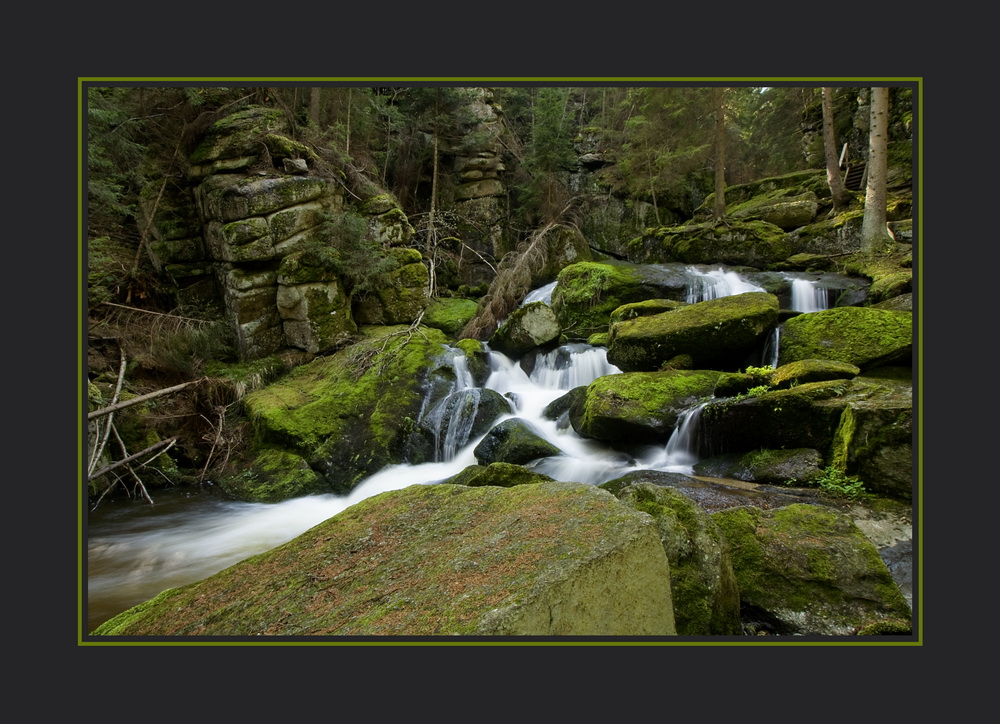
(136, 550)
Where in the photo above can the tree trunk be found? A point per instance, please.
(314, 106)
(720, 155)
(431, 232)
(841, 197)
(874, 233)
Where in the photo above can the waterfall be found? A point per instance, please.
(451, 420)
(716, 283)
(808, 296)
(682, 447)
(542, 294)
(769, 356)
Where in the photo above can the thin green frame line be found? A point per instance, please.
(918, 81)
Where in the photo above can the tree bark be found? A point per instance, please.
(314, 106)
(874, 233)
(720, 155)
(841, 197)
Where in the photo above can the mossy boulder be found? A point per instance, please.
(775, 419)
(861, 426)
(402, 297)
(717, 334)
(529, 326)
(449, 314)
(808, 570)
(702, 583)
(785, 210)
(860, 336)
(274, 475)
(501, 474)
(796, 466)
(812, 370)
(588, 292)
(235, 142)
(638, 406)
(550, 559)
(874, 437)
(513, 441)
(644, 309)
(315, 315)
(353, 412)
(740, 243)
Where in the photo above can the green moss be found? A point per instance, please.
(449, 314)
(337, 412)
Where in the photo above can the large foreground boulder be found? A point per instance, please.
(552, 559)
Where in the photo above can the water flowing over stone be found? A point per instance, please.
(715, 283)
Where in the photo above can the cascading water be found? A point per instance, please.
(808, 296)
(542, 294)
(716, 283)
(451, 420)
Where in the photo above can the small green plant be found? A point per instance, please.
(840, 485)
(758, 391)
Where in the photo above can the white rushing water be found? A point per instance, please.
(715, 283)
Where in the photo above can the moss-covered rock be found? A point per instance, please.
(402, 297)
(812, 370)
(748, 243)
(702, 583)
(552, 559)
(501, 474)
(717, 334)
(638, 406)
(513, 441)
(775, 419)
(644, 309)
(860, 336)
(353, 412)
(528, 326)
(588, 292)
(275, 475)
(449, 314)
(797, 466)
(808, 570)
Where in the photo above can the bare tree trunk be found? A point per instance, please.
(719, 209)
(314, 106)
(841, 197)
(874, 233)
(431, 231)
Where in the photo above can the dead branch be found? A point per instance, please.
(141, 398)
(99, 449)
(166, 444)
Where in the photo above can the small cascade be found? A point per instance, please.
(683, 445)
(769, 356)
(571, 365)
(450, 421)
(716, 283)
(542, 294)
(808, 296)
